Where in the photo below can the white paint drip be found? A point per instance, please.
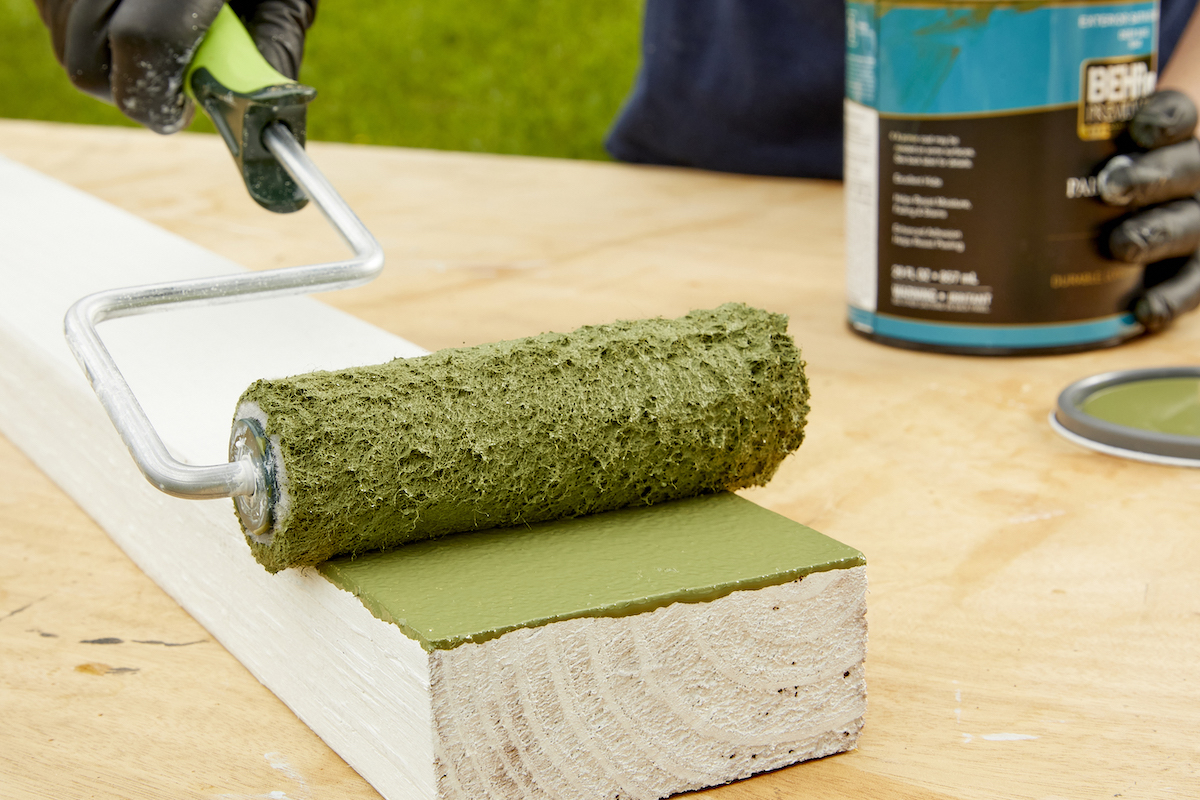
(1007, 737)
(1025, 519)
(278, 762)
(999, 737)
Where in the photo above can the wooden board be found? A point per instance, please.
(1021, 587)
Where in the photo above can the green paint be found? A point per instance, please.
(549, 427)
(230, 55)
(1162, 405)
(477, 586)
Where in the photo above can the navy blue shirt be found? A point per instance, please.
(755, 86)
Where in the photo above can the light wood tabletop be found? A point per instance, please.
(1034, 607)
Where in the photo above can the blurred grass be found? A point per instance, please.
(533, 77)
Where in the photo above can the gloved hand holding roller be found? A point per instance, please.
(134, 52)
(1160, 182)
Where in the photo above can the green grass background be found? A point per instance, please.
(534, 77)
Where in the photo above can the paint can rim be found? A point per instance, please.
(1073, 423)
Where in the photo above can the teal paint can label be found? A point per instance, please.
(973, 135)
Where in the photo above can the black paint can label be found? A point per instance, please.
(973, 135)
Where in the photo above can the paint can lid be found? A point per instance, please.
(1145, 414)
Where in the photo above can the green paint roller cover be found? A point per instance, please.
(548, 427)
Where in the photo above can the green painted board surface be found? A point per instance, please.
(476, 586)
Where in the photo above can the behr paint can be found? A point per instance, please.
(973, 134)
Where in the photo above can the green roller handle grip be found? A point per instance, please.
(243, 94)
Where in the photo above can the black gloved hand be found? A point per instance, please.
(134, 52)
(1165, 177)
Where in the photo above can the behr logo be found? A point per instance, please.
(1111, 92)
(1115, 83)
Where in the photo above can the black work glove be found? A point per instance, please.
(1162, 180)
(134, 52)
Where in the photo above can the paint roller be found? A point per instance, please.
(498, 435)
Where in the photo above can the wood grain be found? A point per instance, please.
(687, 695)
(110, 690)
(1018, 585)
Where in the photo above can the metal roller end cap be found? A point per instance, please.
(248, 442)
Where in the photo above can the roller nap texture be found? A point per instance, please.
(548, 427)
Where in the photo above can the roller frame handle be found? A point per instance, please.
(257, 110)
(243, 95)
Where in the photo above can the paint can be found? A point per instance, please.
(973, 134)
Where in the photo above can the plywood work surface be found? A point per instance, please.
(1034, 608)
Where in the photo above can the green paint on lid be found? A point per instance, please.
(476, 586)
(1161, 405)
